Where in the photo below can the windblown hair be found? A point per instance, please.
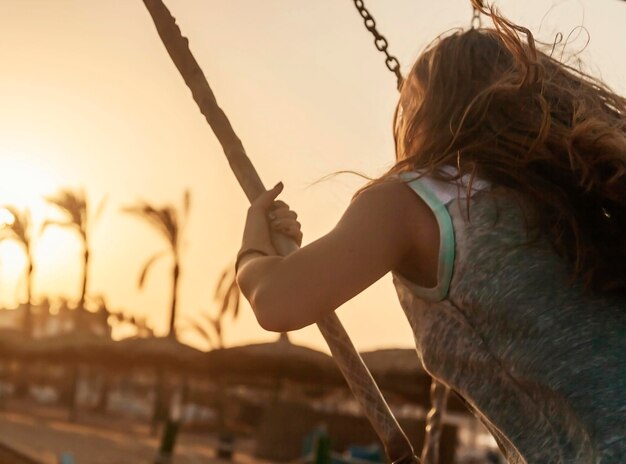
(489, 103)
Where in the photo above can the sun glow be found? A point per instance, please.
(12, 262)
(24, 180)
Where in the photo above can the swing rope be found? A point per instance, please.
(359, 379)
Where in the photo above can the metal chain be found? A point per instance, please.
(477, 20)
(380, 41)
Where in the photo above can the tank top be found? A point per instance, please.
(538, 360)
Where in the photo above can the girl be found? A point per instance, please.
(503, 223)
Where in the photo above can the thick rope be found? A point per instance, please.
(397, 445)
(438, 392)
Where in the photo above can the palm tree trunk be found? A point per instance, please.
(175, 275)
(28, 316)
(83, 288)
(80, 315)
(23, 372)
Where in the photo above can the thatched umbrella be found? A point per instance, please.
(158, 352)
(399, 371)
(272, 362)
(71, 348)
(83, 348)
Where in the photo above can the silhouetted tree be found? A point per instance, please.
(20, 230)
(228, 296)
(73, 206)
(166, 221)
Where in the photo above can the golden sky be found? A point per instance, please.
(89, 98)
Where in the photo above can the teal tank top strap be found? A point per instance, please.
(446, 242)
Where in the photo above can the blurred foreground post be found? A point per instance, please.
(322, 447)
(170, 431)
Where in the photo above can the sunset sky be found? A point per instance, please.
(89, 98)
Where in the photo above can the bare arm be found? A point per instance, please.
(376, 234)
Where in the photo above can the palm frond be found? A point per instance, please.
(53, 222)
(227, 293)
(199, 329)
(186, 204)
(170, 220)
(225, 305)
(20, 229)
(73, 205)
(100, 208)
(160, 219)
(220, 283)
(146, 267)
(216, 324)
(236, 298)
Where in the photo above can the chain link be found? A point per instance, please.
(477, 21)
(380, 41)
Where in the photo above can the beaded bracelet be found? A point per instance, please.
(247, 251)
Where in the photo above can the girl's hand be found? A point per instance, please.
(265, 216)
(283, 220)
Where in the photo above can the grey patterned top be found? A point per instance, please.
(542, 363)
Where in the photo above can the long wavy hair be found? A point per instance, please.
(489, 103)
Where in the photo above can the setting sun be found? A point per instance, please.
(25, 179)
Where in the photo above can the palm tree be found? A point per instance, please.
(165, 220)
(19, 229)
(228, 296)
(73, 206)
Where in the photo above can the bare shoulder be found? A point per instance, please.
(397, 211)
(393, 212)
(392, 198)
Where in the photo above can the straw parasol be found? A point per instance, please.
(399, 371)
(272, 362)
(71, 348)
(158, 352)
(81, 347)
(395, 365)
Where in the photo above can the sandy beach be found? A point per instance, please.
(44, 433)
